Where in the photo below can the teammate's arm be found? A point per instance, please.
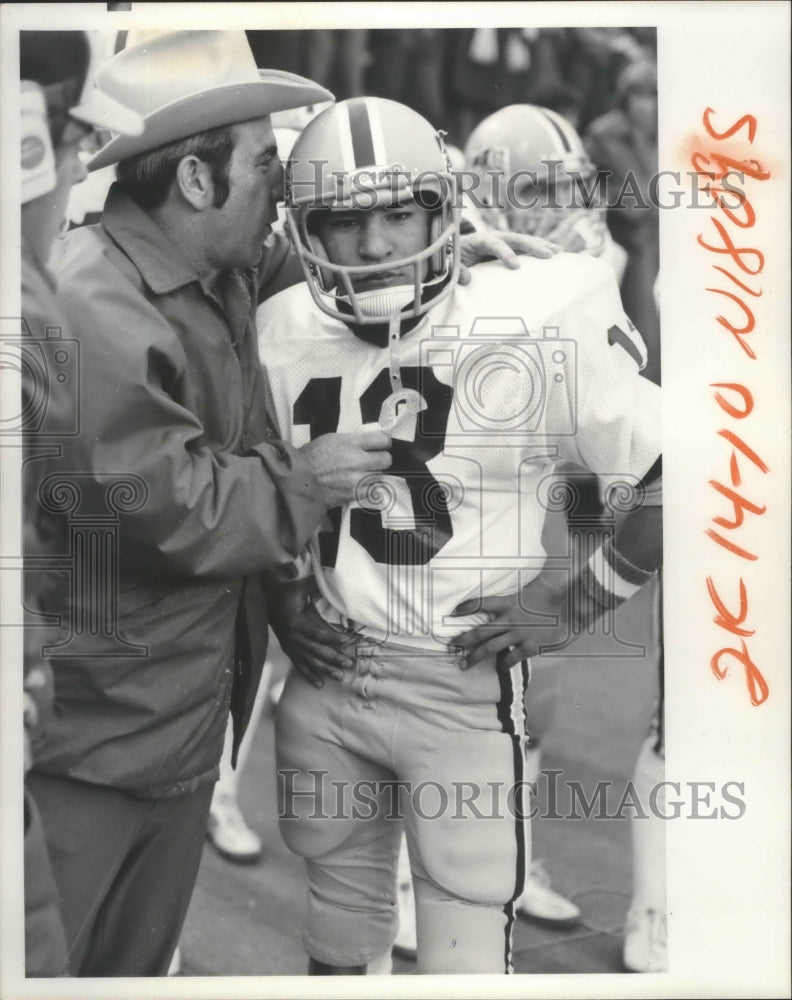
(477, 247)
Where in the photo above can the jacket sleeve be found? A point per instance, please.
(195, 511)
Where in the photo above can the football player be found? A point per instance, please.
(535, 177)
(434, 580)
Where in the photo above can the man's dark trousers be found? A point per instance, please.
(125, 868)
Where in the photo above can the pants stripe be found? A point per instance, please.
(510, 708)
(657, 615)
(508, 911)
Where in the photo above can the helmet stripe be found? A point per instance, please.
(377, 135)
(557, 129)
(362, 142)
(345, 138)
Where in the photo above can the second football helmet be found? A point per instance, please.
(360, 154)
(526, 144)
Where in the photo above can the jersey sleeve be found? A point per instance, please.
(614, 410)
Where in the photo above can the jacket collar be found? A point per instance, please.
(158, 258)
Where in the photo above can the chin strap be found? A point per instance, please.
(378, 333)
(394, 335)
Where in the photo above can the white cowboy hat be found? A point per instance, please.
(97, 108)
(184, 82)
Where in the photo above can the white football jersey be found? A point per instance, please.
(513, 372)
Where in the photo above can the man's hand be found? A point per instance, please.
(521, 625)
(314, 647)
(339, 461)
(477, 247)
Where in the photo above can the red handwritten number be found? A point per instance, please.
(730, 408)
(734, 399)
(746, 450)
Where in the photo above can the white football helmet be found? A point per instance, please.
(356, 155)
(528, 145)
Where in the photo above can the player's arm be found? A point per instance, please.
(551, 611)
(618, 432)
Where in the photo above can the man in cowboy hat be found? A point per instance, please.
(171, 450)
(60, 108)
(167, 626)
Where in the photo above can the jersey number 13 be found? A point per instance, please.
(319, 406)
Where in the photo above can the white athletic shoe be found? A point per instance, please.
(229, 834)
(541, 903)
(174, 969)
(382, 965)
(645, 942)
(275, 691)
(406, 943)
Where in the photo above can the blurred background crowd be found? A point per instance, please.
(602, 81)
(455, 78)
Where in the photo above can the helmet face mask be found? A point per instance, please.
(333, 284)
(536, 209)
(364, 154)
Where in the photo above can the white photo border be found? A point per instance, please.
(728, 880)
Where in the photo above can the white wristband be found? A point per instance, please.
(614, 574)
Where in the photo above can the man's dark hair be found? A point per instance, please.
(147, 177)
(52, 56)
(55, 57)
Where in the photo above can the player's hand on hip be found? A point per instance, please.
(506, 247)
(316, 649)
(521, 625)
(340, 461)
